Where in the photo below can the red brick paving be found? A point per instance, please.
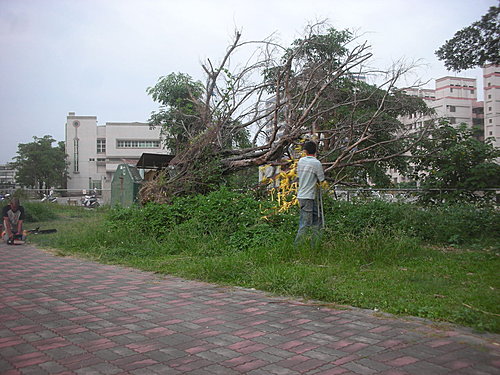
(78, 317)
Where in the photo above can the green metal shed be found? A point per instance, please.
(125, 185)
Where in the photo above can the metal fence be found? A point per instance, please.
(408, 195)
(63, 196)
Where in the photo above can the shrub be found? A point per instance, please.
(451, 224)
(234, 217)
(234, 221)
(357, 217)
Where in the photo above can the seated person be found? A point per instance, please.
(13, 217)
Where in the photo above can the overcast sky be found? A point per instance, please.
(97, 57)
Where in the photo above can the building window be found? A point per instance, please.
(451, 90)
(75, 155)
(489, 109)
(452, 120)
(489, 96)
(453, 108)
(472, 91)
(490, 121)
(491, 133)
(101, 145)
(137, 144)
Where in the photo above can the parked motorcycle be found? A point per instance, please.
(49, 198)
(90, 201)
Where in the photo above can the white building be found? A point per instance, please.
(94, 151)
(7, 178)
(491, 77)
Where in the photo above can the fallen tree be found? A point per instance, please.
(254, 113)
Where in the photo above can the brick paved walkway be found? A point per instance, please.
(69, 316)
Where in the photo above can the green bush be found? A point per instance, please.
(357, 217)
(234, 218)
(225, 222)
(456, 224)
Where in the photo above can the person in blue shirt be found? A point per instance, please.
(310, 174)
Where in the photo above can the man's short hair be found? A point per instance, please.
(310, 147)
(15, 201)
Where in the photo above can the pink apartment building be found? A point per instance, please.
(455, 99)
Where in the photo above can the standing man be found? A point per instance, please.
(13, 217)
(310, 173)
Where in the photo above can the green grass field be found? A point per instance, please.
(222, 239)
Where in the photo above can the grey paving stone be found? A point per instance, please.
(358, 368)
(69, 350)
(329, 356)
(370, 350)
(278, 352)
(214, 357)
(175, 339)
(108, 354)
(485, 367)
(268, 357)
(227, 353)
(52, 367)
(25, 348)
(87, 371)
(5, 365)
(34, 370)
(430, 368)
(161, 369)
(104, 368)
(223, 339)
(278, 370)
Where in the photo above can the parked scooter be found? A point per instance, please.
(49, 198)
(90, 201)
(4, 197)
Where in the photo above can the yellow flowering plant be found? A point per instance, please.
(284, 185)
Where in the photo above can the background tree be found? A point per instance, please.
(281, 95)
(455, 165)
(474, 45)
(39, 165)
(384, 139)
(176, 94)
(180, 98)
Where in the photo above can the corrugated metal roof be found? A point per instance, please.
(154, 161)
